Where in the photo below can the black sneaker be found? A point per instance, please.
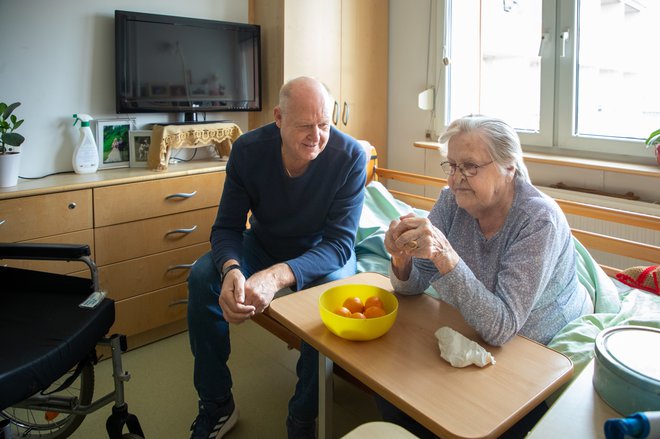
(300, 430)
(214, 421)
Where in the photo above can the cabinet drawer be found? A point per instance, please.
(149, 311)
(149, 199)
(59, 267)
(45, 215)
(142, 238)
(138, 276)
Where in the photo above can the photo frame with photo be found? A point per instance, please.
(113, 142)
(139, 141)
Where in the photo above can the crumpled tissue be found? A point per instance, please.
(460, 351)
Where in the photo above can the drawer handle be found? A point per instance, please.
(72, 206)
(178, 302)
(2, 222)
(179, 267)
(184, 231)
(181, 195)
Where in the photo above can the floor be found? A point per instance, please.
(161, 394)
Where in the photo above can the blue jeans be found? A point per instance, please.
(209, 332)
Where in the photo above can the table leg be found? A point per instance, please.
(325, 397)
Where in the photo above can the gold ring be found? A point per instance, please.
(412, 244)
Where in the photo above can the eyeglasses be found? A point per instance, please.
(467, 169)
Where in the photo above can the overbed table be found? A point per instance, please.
(404, 366)
(578, 412)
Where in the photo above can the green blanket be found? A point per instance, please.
(614, 303)
(380, 208)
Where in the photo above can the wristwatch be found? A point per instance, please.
(227, 270)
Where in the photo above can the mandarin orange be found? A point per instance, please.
(374, 311)
(343, 311)
(354, 304)
(373, 301)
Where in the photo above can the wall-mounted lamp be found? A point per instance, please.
(426, 99)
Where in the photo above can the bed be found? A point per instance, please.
(615, 303)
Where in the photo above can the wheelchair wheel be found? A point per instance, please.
(37, 423)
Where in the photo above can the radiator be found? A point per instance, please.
(608, 228)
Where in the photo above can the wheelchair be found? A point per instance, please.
(50, 325)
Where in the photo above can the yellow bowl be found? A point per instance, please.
(357, 329)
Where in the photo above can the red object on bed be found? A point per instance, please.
(644, 278)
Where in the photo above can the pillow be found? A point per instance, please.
(644, 278)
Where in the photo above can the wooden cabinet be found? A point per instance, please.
(148, 234)
(344, 43)
(54, 219)
(145, 229)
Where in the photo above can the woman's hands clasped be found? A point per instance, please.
(411, 235)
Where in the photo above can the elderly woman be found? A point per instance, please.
(493, 246)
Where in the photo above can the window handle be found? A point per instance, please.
(544, 37)
(564, 36)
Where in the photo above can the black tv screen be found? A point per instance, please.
(168, 64)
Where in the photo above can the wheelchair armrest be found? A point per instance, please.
(60, 252)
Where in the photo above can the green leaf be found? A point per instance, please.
(17, 124)
(653, 138)
(12, 139)
(9, 110)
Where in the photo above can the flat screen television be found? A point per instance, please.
(168, 64)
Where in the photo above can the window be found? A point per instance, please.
(577, 75)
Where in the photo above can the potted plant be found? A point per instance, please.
(653, 141)
(9, 139)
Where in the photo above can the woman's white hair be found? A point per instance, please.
(501, 139)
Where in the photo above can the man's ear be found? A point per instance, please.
(277, 113)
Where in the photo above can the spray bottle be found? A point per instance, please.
(86, 155)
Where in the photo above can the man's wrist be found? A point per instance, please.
(226, 271)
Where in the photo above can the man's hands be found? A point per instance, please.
(240, 299)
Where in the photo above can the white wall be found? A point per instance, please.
(408, 21)
(57, 59)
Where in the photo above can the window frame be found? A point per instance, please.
(557, 124)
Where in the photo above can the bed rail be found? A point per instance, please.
(596, 241)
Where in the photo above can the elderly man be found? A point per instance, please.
(302, 182)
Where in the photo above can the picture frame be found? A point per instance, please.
(112, 140)
(139, 142)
